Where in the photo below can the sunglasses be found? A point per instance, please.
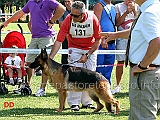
(75, 16)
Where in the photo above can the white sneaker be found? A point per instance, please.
(19, 80)
(40, 92)
(11, 81)
(116, 90)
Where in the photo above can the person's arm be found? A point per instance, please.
(55, 49)
(114, 35)
(29, 26)
(98, 10)
(94, 47)
(21, 64)
(15, 17)
(133, 9)
(65, 27)
(96, 35)
(152, 52)
(60, 23)
(7, 65)
(60, 9)
(120, 19)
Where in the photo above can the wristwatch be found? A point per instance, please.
(51, 22)
(88, 55)
(142, 68)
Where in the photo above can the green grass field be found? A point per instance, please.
(43, 108)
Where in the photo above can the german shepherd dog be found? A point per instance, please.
(68, 78)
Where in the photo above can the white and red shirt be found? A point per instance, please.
(80, 35)
(121, 9)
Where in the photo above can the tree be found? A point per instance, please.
(8, 5)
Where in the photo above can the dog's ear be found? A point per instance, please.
(44, 54)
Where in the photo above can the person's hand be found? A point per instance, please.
(13, 67)
(129, 8)
(109, 36)
(83, 59)
(104, 43)
(133, 6)
(3, 25)
(136, 69)
(50, 23)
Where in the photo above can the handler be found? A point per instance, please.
(144, 61)
(83, 31)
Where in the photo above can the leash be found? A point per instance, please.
(73, 62)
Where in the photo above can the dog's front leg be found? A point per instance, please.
(62, 99)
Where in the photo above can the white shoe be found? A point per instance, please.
(116, 90)
(19, 80)
(11, 81)
(40, 92)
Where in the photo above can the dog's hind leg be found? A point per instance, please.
(62, 98)
(95, 98)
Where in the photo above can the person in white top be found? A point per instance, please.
(144, 57)
(14, 63)
(126, 12)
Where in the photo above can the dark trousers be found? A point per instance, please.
(64, 59)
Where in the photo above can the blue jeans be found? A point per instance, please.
(106, 59)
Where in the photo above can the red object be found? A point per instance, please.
(14, 38)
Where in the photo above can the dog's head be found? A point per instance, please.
(40, 60)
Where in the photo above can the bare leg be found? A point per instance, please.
(10, 73)
(119, 72)
(44, 81)
(29, 73)
(19, 73)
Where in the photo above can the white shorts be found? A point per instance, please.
(121, 44)
(75, 54)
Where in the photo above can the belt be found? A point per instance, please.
(151, 65)
(111, 42)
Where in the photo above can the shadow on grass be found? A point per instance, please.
(12, 95)
(121, 95)
(50, 112)
(158, 113)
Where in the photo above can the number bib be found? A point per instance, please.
(82, 30)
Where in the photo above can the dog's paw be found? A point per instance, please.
(117, 111)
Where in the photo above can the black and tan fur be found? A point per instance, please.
(65, 78)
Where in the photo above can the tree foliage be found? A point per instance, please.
(18, 3)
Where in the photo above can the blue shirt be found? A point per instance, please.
(146, 29)
(64, 15)
(105, 22)
(41, 12)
